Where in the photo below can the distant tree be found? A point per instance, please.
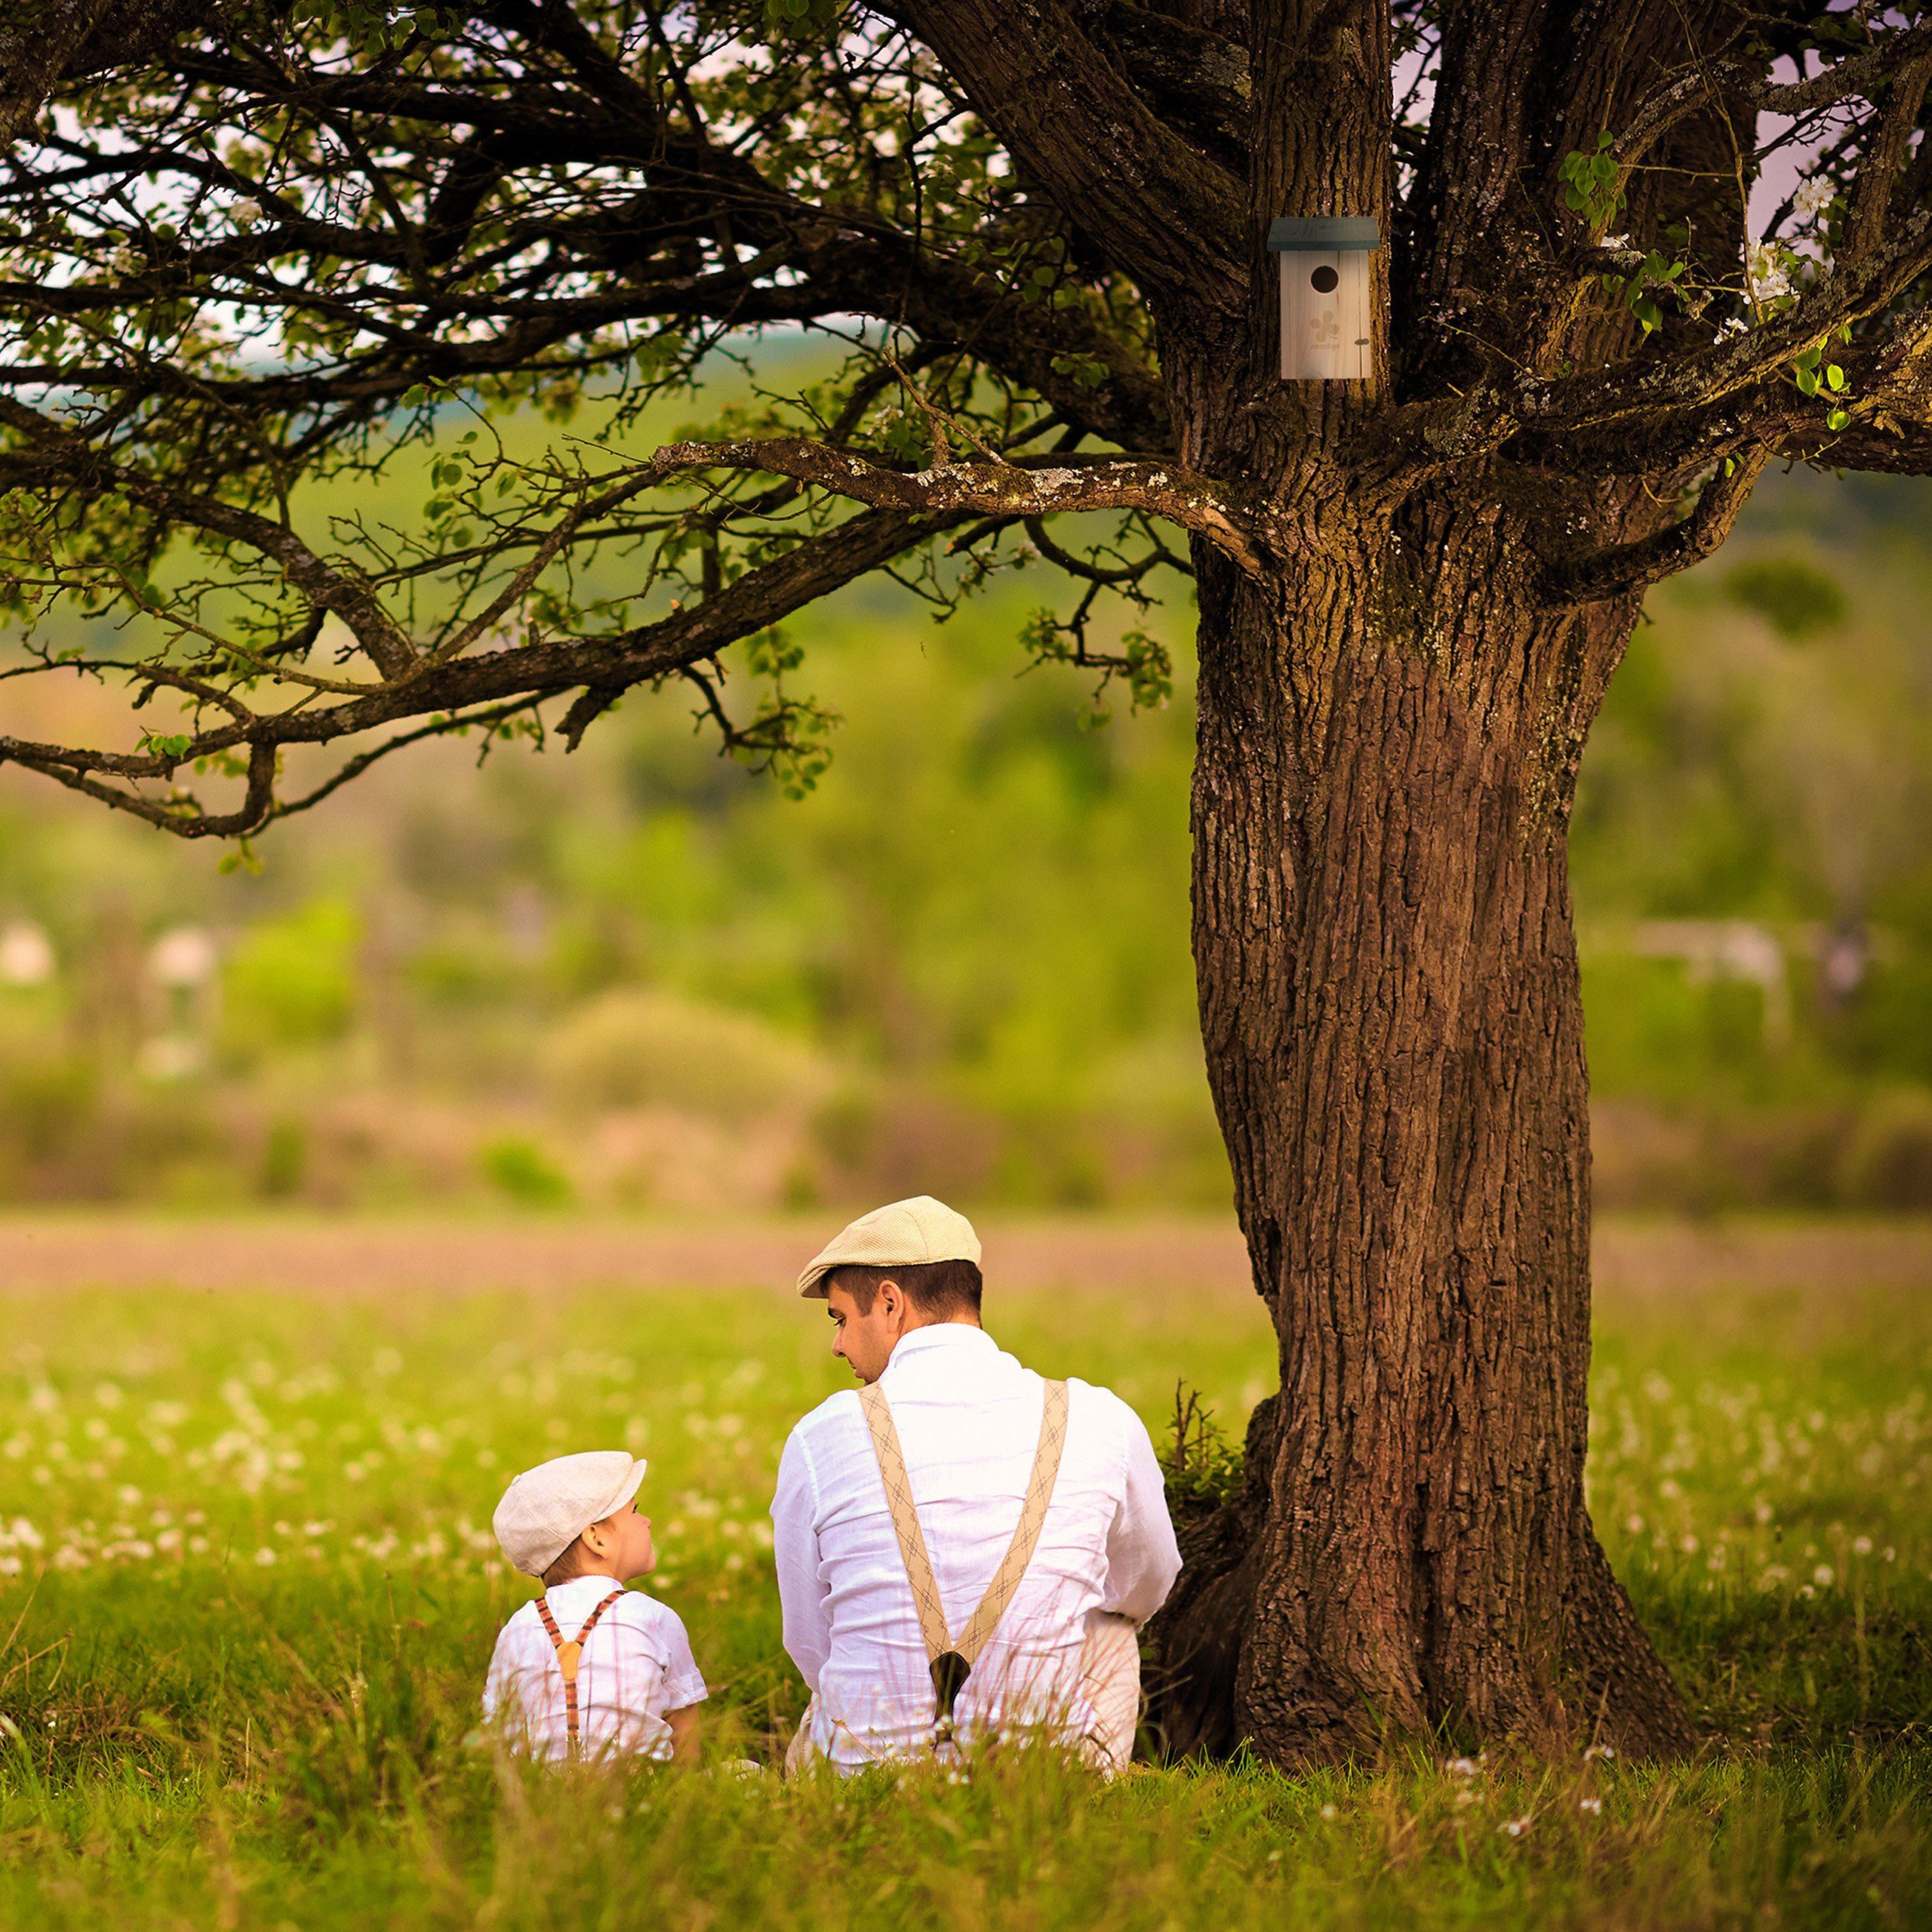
(253, 249)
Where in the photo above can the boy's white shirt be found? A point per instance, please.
(968, 1418)
(637, 1665)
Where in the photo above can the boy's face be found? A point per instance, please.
(622, 1544)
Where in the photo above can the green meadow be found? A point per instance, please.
(250, 1590)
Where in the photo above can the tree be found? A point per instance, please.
(268, 251)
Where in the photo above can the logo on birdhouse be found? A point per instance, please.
(1326, 296)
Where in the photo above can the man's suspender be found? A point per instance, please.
(950, 1662)
(569, 1656)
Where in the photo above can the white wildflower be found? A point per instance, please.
(1861, 1545)
(1516, 1827)
(1824, 1576)
(1592, 1805)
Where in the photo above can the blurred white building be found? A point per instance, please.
(26, 955)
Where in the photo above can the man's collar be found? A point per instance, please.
(938, 1335)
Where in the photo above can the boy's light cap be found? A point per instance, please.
(903, 1234)
(545, 1510)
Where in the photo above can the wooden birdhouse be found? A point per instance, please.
(1325, 295)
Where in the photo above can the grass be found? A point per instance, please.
(249, 1590)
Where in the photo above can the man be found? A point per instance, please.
(961, 1519)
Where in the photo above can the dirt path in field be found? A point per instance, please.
(42, 1254)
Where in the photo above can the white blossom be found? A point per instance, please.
(1765, 271)
(1813, 197)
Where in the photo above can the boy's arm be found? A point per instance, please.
(802, 1595)
(500, 1686)
(687, 1733)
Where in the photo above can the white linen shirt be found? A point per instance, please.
(968, 1417)
(637, 1665)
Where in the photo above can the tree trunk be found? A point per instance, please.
(1388, 741)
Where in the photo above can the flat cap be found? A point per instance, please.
(904, 1234)
(545, 1510)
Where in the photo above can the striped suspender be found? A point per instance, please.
(569, 1656)
(949, 1662)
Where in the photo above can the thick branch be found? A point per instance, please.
(1623, 569)
(986, 488)
(1152, 204)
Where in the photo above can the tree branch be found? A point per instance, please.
(986, 488)
(1621, 570)
(760, 597)
(1150, 203)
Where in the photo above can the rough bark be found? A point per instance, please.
(1390, 1003)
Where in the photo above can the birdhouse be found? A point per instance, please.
(1325, 306)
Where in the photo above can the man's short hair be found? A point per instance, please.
(936, 1288)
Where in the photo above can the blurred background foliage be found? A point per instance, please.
(640, 977)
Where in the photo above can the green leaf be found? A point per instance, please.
(1834, 376)
(1836, 419)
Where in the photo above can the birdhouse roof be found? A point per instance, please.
(1292, 234)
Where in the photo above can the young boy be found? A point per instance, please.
(590, 1669)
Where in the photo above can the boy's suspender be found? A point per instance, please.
(568, 1657)
(950, 1663)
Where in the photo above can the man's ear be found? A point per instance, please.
(893, 1296)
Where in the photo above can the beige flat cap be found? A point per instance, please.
(545, 1510)
(900, 1235)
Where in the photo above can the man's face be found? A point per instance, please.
(866, 1339)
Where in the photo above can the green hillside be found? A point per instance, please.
(640, 975)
